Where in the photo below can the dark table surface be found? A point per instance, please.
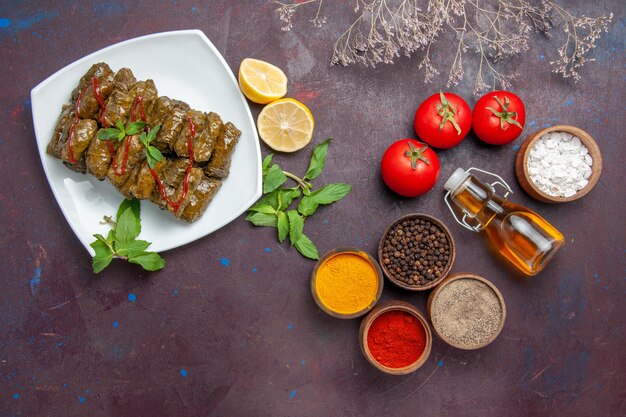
(202, 338)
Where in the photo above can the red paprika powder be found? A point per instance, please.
(396, 339)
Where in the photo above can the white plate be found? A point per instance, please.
(186, 66)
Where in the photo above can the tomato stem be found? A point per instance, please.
(447, 113)
(505, 115)
(416, 154)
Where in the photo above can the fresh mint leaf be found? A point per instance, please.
(262, 219)
(108, 133)
(127, 229)
(270, 199)
(135, 127)
(318, 160)
(306, 247)
(287, 195)
(274, 179)
(266, 163)
(330, 193)
(133, 248)
(121, 241)
(153, 133)
(132, 203)
(144, 139)
(104, 254)
(265, 208)
(120, 126)
(307, 206)
(296, 225)
(150, 261)
(283, 226)
(153, 155)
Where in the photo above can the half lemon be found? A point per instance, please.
(261, 81)
(286, 125)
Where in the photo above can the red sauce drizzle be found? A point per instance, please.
(175, 205)
(138, 103)
(100, 99)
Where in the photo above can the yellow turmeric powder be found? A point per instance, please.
(346, 283)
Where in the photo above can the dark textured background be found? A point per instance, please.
(246, 339)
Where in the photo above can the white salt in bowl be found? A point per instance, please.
(525, 179)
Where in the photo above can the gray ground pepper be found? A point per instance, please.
(467, 311)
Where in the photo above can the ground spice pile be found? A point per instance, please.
(467, 311)
(346, 283)
(416, 251)
(396, 339)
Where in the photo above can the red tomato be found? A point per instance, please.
(443, 120)
(410, 168)
(498, 117)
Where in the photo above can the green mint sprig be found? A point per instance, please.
(122, 242)
(272, 209)
(153, 155)
(121, 131)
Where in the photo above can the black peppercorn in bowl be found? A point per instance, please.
(416, 252)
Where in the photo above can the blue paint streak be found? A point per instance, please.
(183, 373)
(547, 125)
(132, 297)
(440, 362)
(27, 105)
(326, 220)
(302, 362)
(35, 280)
(4, 22)
(175, 292)
(65, 385)
(292, 393)
(60, 344)
(29, 22)
(268, 250)
(115, 324)
(225, 261)
(290, 326)
(81, 399)
(532, 123)
(516, 148)
(253, 269)
(16, 396)
(569, 102)
(542, 57)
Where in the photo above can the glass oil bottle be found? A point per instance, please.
(517, 233)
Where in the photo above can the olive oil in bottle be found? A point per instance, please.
(517, 233)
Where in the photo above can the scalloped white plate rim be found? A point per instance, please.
(84, 200)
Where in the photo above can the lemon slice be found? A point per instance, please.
(286, 125)
(261, 81)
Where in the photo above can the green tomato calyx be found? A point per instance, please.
(416, 154)
(447, 113)
(505, 115)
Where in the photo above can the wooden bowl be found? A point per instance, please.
(458, 276)
(521, 164)
(384, 307)
(447, 267)
(366, 256)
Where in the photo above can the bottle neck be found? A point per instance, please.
(478, 200)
